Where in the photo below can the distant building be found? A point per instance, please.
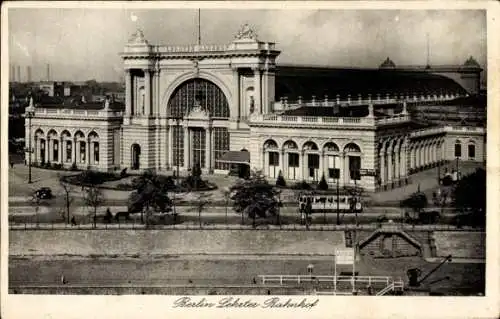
(53, 88)
(232, 104)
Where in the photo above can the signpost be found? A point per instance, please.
(344, 256)
(367, 172)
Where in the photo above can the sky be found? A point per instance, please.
(82, 44)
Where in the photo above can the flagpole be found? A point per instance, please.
(199, 26)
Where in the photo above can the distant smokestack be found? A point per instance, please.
(28, 73)
(13, 73)
(18, 73)
(48, 72)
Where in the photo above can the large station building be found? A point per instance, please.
(220, 105)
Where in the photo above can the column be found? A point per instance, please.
(403, 162)
(265, 155)
(283, 164)
(257, 91)
(73, 151)
(208, 148)
(265, 91)
(87, 151)
(397, 159)
(47, 143)
(187, 148)
(382, 167)
(147, 82)
(168, 147)
(236, 95)
(128, 92)
(60, 150)
(389, 166)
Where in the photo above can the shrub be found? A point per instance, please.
(280, 181)
(303, 185)
(73, 167)
(323, 185)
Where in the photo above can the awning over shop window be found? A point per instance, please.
(235, 157)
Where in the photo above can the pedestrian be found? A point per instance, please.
(73, 221)
(63, 279)
(11, 164)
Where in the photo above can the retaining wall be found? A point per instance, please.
(145, 242)
(460, 244)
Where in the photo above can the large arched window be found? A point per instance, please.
(198, 92)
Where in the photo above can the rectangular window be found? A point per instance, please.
(334, 173)
(354, 167)
(221, 146)
(56, 151)
(274, 159)
(472, 151)
(458, 150)
(96, 153)
(293, 160)
(69, 151)
(178, 146)
(82, 152)
(199, 147)
(313, 160)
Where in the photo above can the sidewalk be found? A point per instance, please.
(427, 180)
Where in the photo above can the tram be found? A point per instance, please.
(344, 203)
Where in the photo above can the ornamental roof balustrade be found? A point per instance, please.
(328, 121)
(75, 113)
(245, 41)
(285, 104)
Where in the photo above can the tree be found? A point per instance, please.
(280, 181)
(201, 202)
(254, 197)
(150, 192)
(469, 195)
(323, 185)
(94, 198)
(416, 202)
(67, 195)
(194, 181)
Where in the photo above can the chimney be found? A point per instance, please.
(28, 73)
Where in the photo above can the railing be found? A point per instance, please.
(368, 121)
(284, 104)
(281, 279)
(210, 47)
(41, 112)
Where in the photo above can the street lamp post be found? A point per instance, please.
(30, 112)
(177, 184)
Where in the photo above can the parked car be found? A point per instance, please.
(43, 193)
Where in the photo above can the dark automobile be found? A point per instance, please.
(44, 193)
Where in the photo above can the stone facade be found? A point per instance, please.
(189, 105)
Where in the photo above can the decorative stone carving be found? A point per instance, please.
(138, 38)
(106, 103)
(246, 33)
(197, 112)
(32, 103)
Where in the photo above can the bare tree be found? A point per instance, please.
(68, 196)
(201, 202)
(94, 198)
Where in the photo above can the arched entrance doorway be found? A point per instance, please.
(204, 145)
(136, 154)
